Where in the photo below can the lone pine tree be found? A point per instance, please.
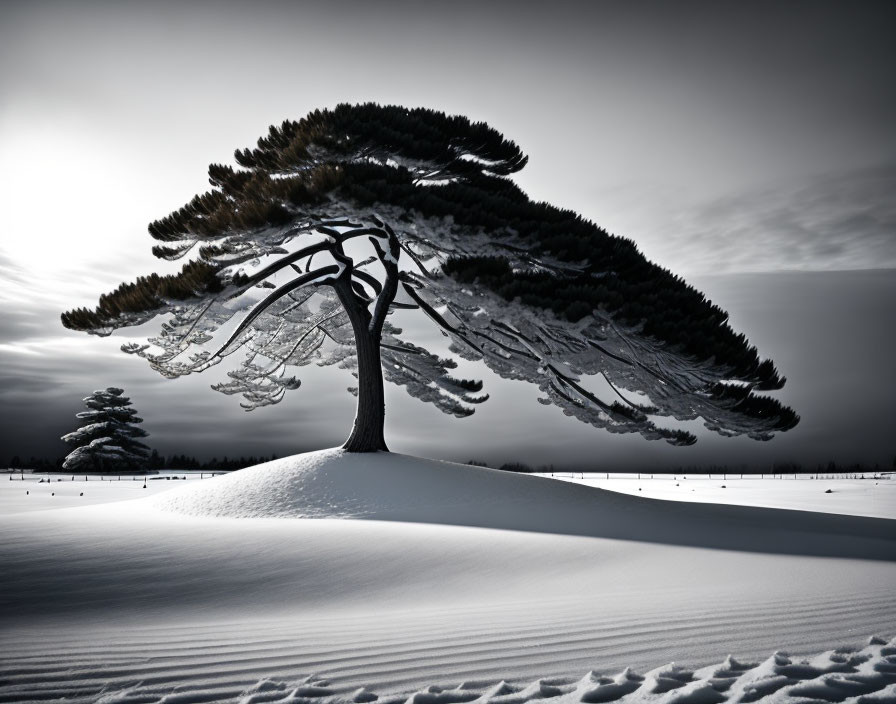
(535, 292)
(107, 439)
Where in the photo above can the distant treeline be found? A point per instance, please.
(779, 468)
(227, 464)
(156, 462)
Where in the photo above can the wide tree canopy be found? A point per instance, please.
(301, 252)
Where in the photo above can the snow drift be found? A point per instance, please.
(394, 487)
(861, 676)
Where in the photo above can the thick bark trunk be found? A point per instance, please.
(367, 432)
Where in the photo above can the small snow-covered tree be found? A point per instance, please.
(108, 438)
(535, 292)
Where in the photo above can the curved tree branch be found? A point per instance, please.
(389, 260)
(304, 280)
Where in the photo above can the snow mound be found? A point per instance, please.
(337, 484)
(392, 487)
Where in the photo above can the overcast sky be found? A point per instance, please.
(722, 137)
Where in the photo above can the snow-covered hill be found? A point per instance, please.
(394, 487)
(421, 575)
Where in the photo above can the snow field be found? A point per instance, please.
(19, 495)
(419, 576)
(873, 497)
(853, 676)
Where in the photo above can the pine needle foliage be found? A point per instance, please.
(534, 291)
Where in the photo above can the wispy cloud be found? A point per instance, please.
(841, 221)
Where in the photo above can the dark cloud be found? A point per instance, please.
(24, 315)
(16, 384)
(844, 221)
(19, 324)
(840, 221)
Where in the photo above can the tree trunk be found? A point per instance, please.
(370, 417)
(367, 433)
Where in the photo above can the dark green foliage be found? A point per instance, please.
(616, 277)
(688, 323)
(459, 147)
(331, 173)
(763, 408)
(248, 201)
(147, 294)
(473, 385)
